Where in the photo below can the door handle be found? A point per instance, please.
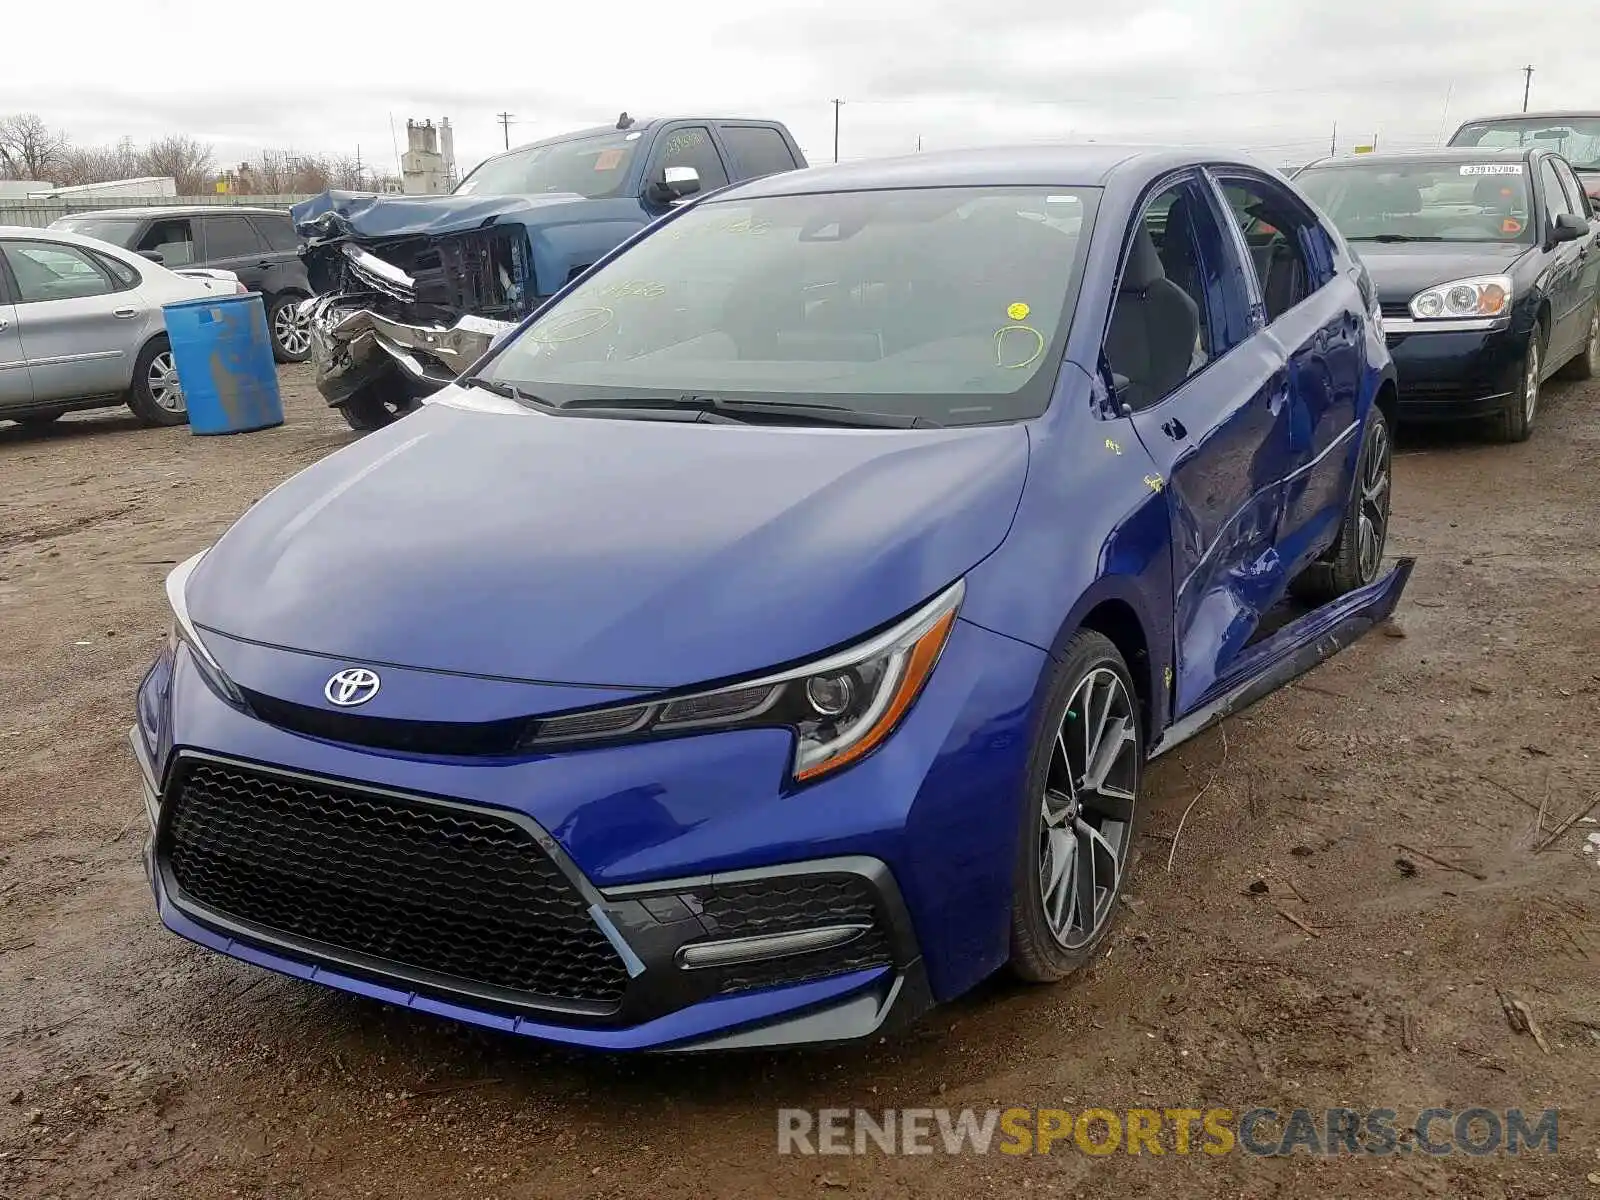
(1174, 429)
(264, 265)
(124, 313)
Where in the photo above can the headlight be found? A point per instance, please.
(840, 708)
(183, 631)
(1483, 296)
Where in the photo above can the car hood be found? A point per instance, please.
(618, 553)
(1402, 269)
(337, 214)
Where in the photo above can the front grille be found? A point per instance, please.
(791, 903)
(1395, 308)
(437, 890)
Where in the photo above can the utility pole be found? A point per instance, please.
(358, 168)
(919, 143)
(1333, 141)
(837, 104)
(1527, 82)
(505, 126)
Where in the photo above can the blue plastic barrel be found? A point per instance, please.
(223, 354)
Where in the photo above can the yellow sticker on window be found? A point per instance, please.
(1018, 311)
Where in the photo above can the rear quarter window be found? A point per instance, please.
(277, 231)
(758, 150)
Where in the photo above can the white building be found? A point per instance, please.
(149, 185)
(428, 167)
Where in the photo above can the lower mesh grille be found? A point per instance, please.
(430, 888)
(791, 903)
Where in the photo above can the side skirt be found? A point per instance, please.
(1292, 651)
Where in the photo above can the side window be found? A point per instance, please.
(1555, 196)
(1172, 315)
(173, 239)
(1575, 191)
(758, 150)
(690, 146)
(124, 276)
(53, 271)
(1291, 252)
(277, 232)
(230, 237)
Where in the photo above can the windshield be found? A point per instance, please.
(1576, 139)
(594, 167)
(949, 304)
(118, 231)
(1441, 201)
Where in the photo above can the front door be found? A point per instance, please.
(1568, 319)
(1209, 397)
(67, 314)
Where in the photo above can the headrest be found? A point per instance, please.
(1493, 192)
(1397, 196)
(1144, 264)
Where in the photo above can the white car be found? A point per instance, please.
(81, 327)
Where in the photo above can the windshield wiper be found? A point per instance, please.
(509, 390)
(1394, 237)
(816, 413)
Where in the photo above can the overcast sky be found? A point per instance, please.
(1269, 76)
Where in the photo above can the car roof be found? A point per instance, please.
(176, 210)
(1553, 115)
(1088, 165)
(637, 125)
(1508, 154)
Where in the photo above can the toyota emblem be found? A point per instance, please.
(351, 686)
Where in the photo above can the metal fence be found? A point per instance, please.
(15, 210)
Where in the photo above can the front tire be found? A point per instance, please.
(291, 333)
(1357, 555)
(373, 407)
(1514, 421)
(1080, 815)
(156, 397)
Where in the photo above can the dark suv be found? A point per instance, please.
(258, 245)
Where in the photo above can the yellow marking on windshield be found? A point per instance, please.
(572, 327)
(1154, 482)
(1000, 346)
(1018, 311)
(1113, 447)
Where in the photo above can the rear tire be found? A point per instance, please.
(156, 397)
(1514, 421)
(291, 334)
(371, 407)
(1080, 812)
(1587, 364)
(1357, 556)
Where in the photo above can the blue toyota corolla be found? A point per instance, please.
(767, 640)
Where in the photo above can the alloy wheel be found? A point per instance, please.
(1087, 809)
(290, 330)
(1372, 524)
(165, 389)
(1530, 383)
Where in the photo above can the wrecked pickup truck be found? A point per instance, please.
(411, 290)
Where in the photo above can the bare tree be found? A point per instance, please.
(29, 149)
(97, 164)
(192, 164)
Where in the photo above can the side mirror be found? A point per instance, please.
(1569, 227)
(676, 184)
(154, 256)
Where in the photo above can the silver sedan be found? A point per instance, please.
(81, 327)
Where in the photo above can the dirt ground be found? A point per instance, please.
(134, 1064)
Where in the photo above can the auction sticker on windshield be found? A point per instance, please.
(1492, 169)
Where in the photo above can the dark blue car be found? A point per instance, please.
(767, 640)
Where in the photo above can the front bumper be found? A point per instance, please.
(1456, 374)
(353, 345)
(675, 847)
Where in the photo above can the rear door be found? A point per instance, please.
(16, 385)
(756, 150)
(77, 321)
(1210, 405)
(173, 238)
(1314, 317)
(1589, 246)
(230, 242)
